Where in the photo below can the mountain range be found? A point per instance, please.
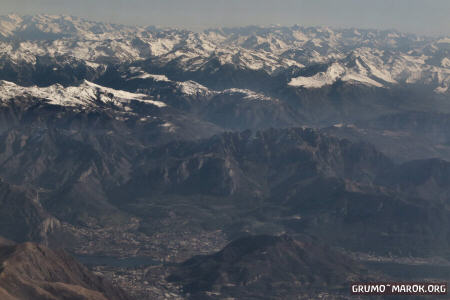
(128, 142)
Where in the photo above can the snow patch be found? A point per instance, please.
(248, 94)
(169, 127)
(192, 88)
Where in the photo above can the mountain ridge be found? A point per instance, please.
(31, 271)
(252, 48)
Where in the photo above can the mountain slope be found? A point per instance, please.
(22, 216)
(427, 179)
(30, 271)
(269, 267)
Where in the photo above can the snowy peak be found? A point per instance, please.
(87, 94)
(360, 73)
(379, 68)
(320, 79)
(192, 88)
(248, 94)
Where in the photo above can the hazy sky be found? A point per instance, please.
(419, 16)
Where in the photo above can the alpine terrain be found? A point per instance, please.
(233, 163)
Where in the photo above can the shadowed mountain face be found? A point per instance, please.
(32, 272)
(410, 135)
(427, 179)
(269, 267)
(253, 163)
(266, 181)
(22, 218)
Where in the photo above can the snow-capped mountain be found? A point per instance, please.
(52, 27)
(85, 95)
(368, 57)
(188, 102)
(377, 68)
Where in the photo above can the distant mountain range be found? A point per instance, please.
(307, 57)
